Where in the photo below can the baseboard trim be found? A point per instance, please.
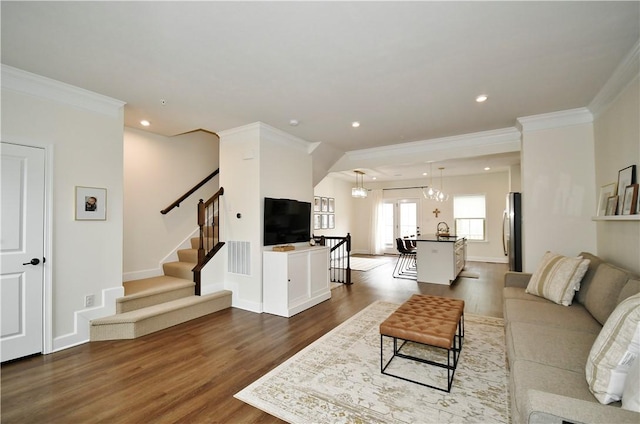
(139, 275)
(82, 320)
(491, 259)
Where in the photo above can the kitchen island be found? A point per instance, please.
(440, 258)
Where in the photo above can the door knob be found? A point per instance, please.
(34, 261)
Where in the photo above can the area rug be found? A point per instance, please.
(362, 264)
(337, 379)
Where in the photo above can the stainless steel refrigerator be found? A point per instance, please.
(512, 231)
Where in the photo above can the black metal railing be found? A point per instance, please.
(339, 257)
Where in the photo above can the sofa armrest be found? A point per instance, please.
(516, 279)
(543, 407)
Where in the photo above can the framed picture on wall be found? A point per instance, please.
(332, 221)
(324, 204)
(316, 204)
(606, 191)
(626, 176)
(630, 199)
(317, 221)
(91, 204)
(612, 204)
(325, 222)
(332, 205)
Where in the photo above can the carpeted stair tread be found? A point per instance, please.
(153, 284)
(179, 269)
(168, 289)
(147, 320)
(207, 241)
(188, 255)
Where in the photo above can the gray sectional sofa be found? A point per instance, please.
(548, 346)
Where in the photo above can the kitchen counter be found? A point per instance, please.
(440, 258)
(436, 238)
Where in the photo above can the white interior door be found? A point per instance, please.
(21, 251)
(399, 220)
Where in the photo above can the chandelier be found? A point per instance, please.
(432, 193)
(359, 191)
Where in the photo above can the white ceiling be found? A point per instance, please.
(408, 71)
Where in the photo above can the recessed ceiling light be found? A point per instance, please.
(424, 174)
(355, 124)
(481, 98)
(374, 178)
(294, 122)
(487, 168)
(145, 123)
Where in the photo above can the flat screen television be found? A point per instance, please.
(286, 221)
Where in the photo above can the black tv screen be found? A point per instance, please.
(286, 221)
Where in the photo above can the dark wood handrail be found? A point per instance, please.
(176, 204)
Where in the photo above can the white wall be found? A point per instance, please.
(258, 161)
(558, 185)
(617, 145)
(158, 170)
(83, 134)
(494, 186)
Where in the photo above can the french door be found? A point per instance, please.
(399, 220)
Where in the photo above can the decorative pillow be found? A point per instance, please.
(631, 392)
(614, 351)
(558, 278)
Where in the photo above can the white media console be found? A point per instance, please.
(295, 280)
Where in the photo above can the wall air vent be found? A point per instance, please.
(239, 259)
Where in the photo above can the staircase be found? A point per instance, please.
(153, 304)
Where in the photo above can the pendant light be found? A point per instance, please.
(359, 191)
(441, 197)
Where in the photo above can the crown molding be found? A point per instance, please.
(505, 136)
(20, 81)
(564, 118)
(627, 71)
(274, 135)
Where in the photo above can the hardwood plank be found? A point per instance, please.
(190, 372)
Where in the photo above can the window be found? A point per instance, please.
(469, 213)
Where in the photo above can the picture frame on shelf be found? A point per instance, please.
(91, 204)
(626, 176)
(606, 191)
(630, 199)
(612, 205)
(316, 204)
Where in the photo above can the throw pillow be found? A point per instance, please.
(631, 392)
(558, 278)
(614, 351)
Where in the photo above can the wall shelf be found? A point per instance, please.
(635, 217)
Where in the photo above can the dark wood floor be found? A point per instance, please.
(190, 372)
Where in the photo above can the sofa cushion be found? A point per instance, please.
(555, 347)
(613, 352)
(574, 317)
(558, 277)
(594, 263)
(602, 297)
(629, 289)
(631, 392)
(519, 293)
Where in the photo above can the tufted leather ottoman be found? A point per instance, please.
(428, 320)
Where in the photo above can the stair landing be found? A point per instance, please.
(153, 304)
